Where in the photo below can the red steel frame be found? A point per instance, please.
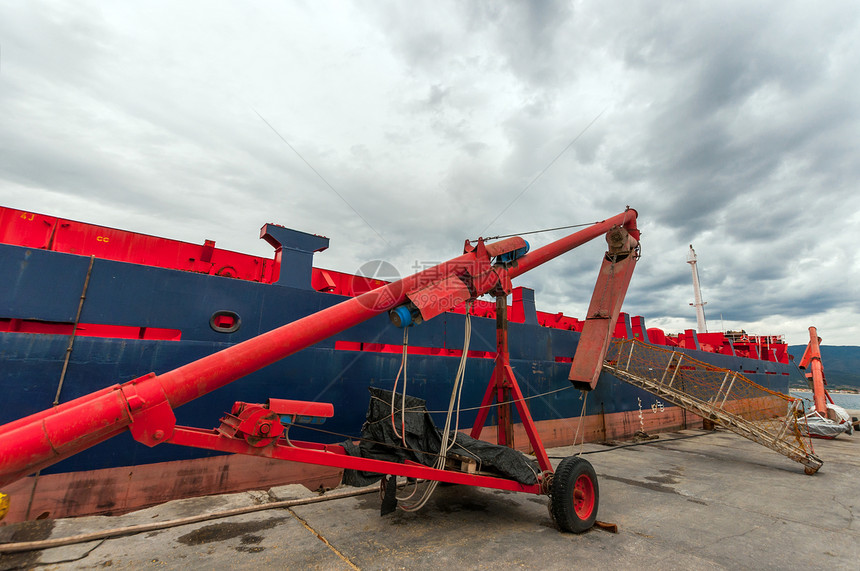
(812, 359)
(145, 405)
(503, 385)
(334, 455)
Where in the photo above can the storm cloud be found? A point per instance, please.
(400, 129)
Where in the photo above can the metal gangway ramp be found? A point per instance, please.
(725, 397)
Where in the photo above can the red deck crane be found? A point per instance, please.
(145, 405)
(812, 359)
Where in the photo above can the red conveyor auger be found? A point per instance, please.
(826, 420)
(145, 405)
(812, 359)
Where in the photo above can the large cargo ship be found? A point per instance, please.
(84, 306)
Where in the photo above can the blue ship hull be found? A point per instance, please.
(46, 286)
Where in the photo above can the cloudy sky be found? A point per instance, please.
(399, 129)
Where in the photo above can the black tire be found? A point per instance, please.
(575, 495)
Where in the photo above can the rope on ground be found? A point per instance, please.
(657, 441)
(134, 529)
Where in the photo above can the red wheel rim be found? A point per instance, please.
(583, 497)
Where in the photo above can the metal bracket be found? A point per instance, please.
(152, 418)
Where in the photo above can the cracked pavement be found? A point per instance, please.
(704, 500)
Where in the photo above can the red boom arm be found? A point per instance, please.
(812, 359)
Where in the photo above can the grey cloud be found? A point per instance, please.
(728, 125)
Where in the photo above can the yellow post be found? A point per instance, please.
(4, 505)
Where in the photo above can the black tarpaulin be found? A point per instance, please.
(423, 441)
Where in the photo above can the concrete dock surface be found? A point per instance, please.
(688, 500)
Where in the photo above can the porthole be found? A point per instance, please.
(224, 321)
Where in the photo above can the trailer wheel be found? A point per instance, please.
(575, 495)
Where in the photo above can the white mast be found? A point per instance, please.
(697, 292)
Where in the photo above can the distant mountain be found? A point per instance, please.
(841, 364)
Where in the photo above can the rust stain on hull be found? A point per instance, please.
(113, 491)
